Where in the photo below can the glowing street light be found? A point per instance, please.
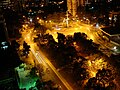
(31, 20)
(88, 21)
(97, 25)
(38, 18)
(115, 48)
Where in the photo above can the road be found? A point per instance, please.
(42, 59)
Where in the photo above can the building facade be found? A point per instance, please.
(72, 6)
(3, 29)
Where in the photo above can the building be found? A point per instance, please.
(25, 79)
(4, 3)
(8, 4)
(8, 80)
(9, 59)
(3, 29)
(72, 6)
(114, 18)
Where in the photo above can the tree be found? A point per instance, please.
(61, 39)
(40, 69)
(79, 36)
(26, 49)
(15, 44)
(51, 42)
(105, 77)
(39, 84)
(69, 40)
(33, 72)
(91, 83)
(79, 72)
(103, 80)
(84, 45)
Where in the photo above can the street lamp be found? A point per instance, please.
(115, 48)
(97, 25)
(88, 21)
(38, 18)
(31, 20)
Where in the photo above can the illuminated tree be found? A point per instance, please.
(105, 77)
(79, 72)
(103, 80)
